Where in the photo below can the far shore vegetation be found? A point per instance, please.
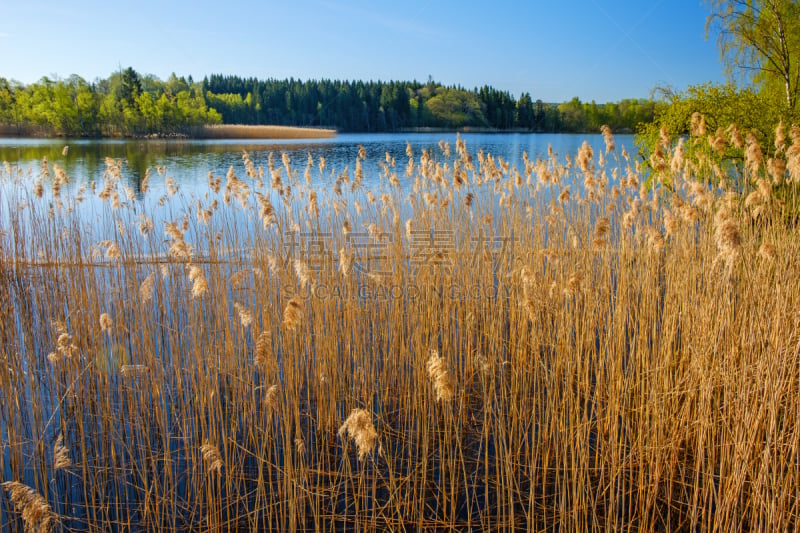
(130, 104)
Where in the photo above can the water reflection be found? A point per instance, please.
(189, 161)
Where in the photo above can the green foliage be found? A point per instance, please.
(719, 105)
(759, 41)
(456, 108)
(626, 115)
(7, 102)
(731, 135)
(397, 105)
(124, 104)
(129, 104)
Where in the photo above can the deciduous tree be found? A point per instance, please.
(760, 40)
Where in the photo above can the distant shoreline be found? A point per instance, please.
(221, 131)
(482, 129)
(267, 132)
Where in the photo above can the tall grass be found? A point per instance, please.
(473, 344)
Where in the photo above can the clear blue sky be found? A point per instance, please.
(554, 49)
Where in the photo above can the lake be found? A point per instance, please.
(189, 161)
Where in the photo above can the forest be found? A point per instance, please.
(376, 106)
(130, 104)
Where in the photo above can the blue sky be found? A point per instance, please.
(554, 49)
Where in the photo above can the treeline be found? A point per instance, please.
(130, 104)
(376, 106)
(124, 104)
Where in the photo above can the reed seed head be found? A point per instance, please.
(37, 516)
(263, 355)
(245, 315)
(767, 251)
(61, 458)
(780, 137)
(671, 222)
(146, 288)
(753, 155)
(698, 124)
(199, 283)
(345, 261)
(113, 252)
(271, 396)
(65, 348)
(303, 273)
(293, 313)
(574, 284)
(106, 323)
(358, 426)
(729, 240)
(212, 457)
(443, 381)
(608, 137)
(601, 228)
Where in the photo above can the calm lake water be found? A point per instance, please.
(189, 161)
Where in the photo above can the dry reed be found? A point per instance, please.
(33, 508)
(240, 131)
(622, 349)
(359, 428)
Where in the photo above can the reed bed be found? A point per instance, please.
(566, 344)
(243, 131)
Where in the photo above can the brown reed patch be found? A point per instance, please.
(605, 373)
(241, 131)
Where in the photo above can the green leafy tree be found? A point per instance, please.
(759, 40)
(572, 118)
(712, 123)
(455, 108)
(164, 113)
(718, 105)
(64, 114)
(9, 113)
(149, 112)
(175, 85)
(87, 103)
(39, 110)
